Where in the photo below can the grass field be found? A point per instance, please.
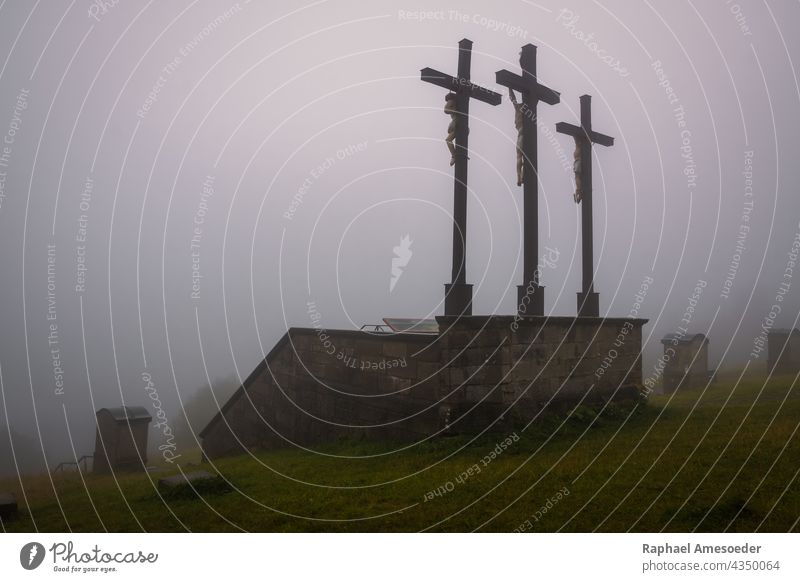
(726, 460)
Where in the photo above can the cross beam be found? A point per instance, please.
(458, 294)
(527, 83)
(585, 136)
(453, 84)
(530, 292)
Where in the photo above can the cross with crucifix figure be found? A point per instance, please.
(588, 300)
(530, 292)
(458, 294)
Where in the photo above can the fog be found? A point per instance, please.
(179, 179)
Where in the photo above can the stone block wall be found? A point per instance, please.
(504, 369)
(318, 386)
(478, 373)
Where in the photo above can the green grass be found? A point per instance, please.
(726, 460)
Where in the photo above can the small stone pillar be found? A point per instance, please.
(685, 361)
(783, 351)
(121, 439)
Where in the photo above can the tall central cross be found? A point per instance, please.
(458, 294)
(588, 300)
(530, 292)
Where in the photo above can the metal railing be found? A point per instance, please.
(376, 328)
(82, 462)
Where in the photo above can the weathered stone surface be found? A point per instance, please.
(8, 506)
(783, 351)
(184, 478)
(484, 392)
(193, 483)
(427, 370)
(456, 375)
(393, 384)
(301, 341)
(526, 334)
(395, 349)
(426, 391)
(368, 350)
(686, 359)
(487, 374)
(408, 371)
(430, 354)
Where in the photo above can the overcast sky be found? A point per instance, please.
(281, 151)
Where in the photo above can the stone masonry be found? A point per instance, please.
(478, 373)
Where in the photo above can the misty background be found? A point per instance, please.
(193, 173)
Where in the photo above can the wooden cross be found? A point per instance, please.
(530, 294)
(588, 300)
(458, 294)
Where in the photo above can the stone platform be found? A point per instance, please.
(477, 373)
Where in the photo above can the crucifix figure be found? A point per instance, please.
(576, 169)
(451, 109)
(458, 294)
(530, 294)
(519, 117)
(584, 136)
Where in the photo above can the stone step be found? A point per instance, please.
(192, 484)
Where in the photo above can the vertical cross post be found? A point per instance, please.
(588, 300)
(458, 294)
(530, 295)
